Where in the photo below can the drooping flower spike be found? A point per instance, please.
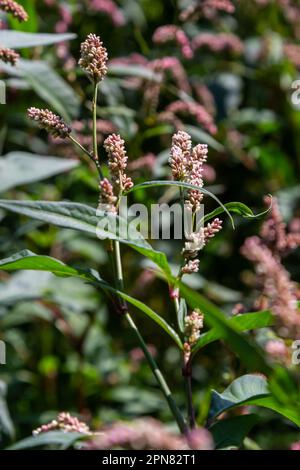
(9, 56)
(49, 121)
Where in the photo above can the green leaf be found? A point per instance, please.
(51, 438)
(30, 261)
(20, 40)
(147, 310)
(250, 390)
(182, 312)
(248, 352)
(6, 424)
(201, 136)
(153, 184)
(229, 433)
(18, 168)
(243, 322)
(133, 71)
(49, 85)
(82, 218)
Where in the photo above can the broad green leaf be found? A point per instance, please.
(248, 352)
(243, 322)
(182, 312)
(20, 40)
(82, 218)
(250, 390)
(49, 85)
(153, 184)
(32, 24)
(29, 261)
(18, 168)
(229, 433)
(51, 438)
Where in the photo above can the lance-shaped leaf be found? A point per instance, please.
(20, 40)
(86, 219)
(26, 260)
(51, 87)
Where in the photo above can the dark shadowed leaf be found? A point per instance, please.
(244, 322)
(229, 433)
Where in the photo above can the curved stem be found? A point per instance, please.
(78, 144)
(151, 361)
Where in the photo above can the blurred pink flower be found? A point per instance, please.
(222, 42)
(169, 33)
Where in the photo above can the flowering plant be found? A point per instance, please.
(195, 322)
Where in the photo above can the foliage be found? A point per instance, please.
(106, 328)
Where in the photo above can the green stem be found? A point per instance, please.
(86, 152)
(78, 144)
(95, 140)
(151, 361)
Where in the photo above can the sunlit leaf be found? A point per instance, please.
(82, 218)
(18, 168)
